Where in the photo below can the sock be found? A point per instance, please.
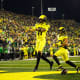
(38, 60)
(71, 64)
(44, 58)
(56, 59)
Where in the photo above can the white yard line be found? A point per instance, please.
(49, 58)
(71, 61)
(35, 58)
(34, 64)
(30, 67)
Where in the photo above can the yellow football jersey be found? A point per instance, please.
(61, 39)
(42, 35)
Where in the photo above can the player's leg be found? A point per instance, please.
(56, 59)
(73, 65)
(48, 61)
(42, 56)
(66, 59)
(38, 54)
(38, 60)
(58, 53)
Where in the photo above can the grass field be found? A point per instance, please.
(23, 70)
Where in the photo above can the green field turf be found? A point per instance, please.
(16, 66)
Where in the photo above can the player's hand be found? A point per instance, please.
(39, 29)
(51, 55)
(42, 29)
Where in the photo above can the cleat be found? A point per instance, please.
(64, 71)
(60, 68)
(51, 65)
(34, 70)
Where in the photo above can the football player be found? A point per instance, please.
(41, 29)
(62, 43)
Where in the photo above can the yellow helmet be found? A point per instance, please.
(61, 28)
(43, 17)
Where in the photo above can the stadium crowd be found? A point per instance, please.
(17, 42)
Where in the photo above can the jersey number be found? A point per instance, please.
(39, 33)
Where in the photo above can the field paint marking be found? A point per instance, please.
(2, 71)
(28, 75)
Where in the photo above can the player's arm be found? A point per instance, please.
(65, 42)
(46, 28)
(31, 29)
(37, 29)
(43, 30)
(40, 29)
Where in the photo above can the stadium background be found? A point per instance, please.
(70, 8)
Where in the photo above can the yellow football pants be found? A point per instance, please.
(40, 44)
(64, 53)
